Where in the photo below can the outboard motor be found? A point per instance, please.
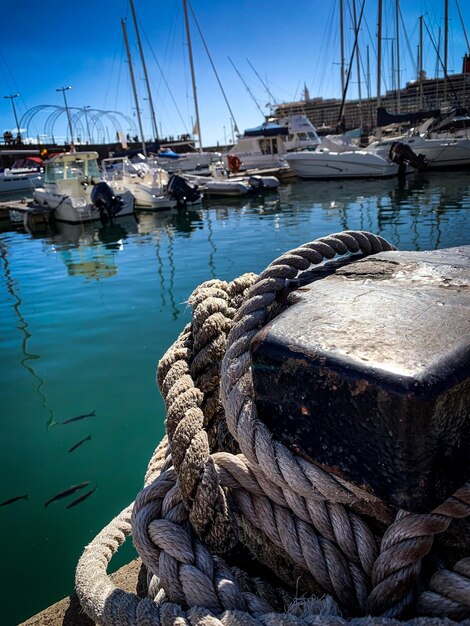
(402, 154)
(180, 190)
(105, 201)
(256, 183)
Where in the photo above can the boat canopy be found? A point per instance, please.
(168, 154)
(268, 129)
(384, 118)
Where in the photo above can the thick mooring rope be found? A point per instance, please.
(220, 487)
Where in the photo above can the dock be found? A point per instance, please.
(30, 212)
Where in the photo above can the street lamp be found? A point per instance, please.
(63, 90)
(86, 108)
(12, 98)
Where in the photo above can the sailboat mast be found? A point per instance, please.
(341, 30)
(420, 62)
(149, 94)
(397, 19)
(129, 60)
(379, 59)
(358, 62)
(193, 78)
(446, 44)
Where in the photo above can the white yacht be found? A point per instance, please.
(267, 145)
(74, 189)
(23, 175)
(443, 141)
(324, 164)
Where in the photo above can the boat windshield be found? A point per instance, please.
(54, 171)
(76, 168)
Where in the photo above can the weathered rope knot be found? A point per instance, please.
(221, 486)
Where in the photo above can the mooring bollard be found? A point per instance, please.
(367, 375)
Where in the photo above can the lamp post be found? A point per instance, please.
(63, 90)
(12, 98)
(86, 108)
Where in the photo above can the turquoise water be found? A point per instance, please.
(85, 314)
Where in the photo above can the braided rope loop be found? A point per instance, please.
(219, 477)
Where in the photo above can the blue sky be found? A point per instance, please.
(46, 45)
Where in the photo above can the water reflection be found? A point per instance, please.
(27, 357)
(88, 249)
(184, 222)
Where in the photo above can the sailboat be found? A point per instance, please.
(196, 161)
(324, 163)
(443, 139)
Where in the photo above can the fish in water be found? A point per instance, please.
(50, 423)
(81, 498)
(15, 499)
(79, 443)
(79, 417)
(67, 492)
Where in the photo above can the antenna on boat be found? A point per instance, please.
(261, 81)
(193, 77)
(152, 110)
(131, 71)
(247, 88)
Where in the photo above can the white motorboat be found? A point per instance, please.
(147, 184)
(267, 145)
(24, 175)
(73, 188)
(221, 183)
(196, 162)
(323, 164)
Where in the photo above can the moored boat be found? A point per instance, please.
(266, 146)
(323, 164)
(23, 175)
(74, 189)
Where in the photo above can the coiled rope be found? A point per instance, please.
(219, 487)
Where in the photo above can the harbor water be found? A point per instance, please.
(87, 310)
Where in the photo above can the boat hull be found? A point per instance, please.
(20, 182)
(444, 153)
(333, 165)
(67, 209)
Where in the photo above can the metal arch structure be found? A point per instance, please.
(95, 120)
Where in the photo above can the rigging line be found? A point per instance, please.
(407, 40)
(446, 75)
(108, 87)
(247, 88)
(166, 82)
(213, 66)
(328, 37)
(261, 81)
(341, 109)
(463, 25)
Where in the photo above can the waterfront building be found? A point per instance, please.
(420, 94)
